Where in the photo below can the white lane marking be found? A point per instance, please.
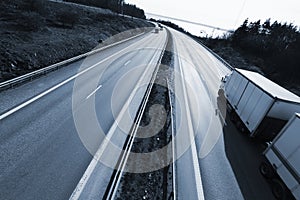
(70, 60)
(87, 174)
(129, 61)
(173, 143)
(26, 103)
(100, 86)
(196, 166)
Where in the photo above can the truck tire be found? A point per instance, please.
(233, 116)
(266, 170)
(240, 126)
(279, 189)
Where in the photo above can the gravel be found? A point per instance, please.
(156, 184)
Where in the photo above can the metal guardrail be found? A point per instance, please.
(216, 55)
(82, 184)
(116, 178)
(174, 181)
(45, 70)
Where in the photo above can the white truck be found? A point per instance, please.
(283, 155)
(258, 105)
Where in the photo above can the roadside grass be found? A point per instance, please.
(37, 33)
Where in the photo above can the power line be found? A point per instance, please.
(190, 22)
(240, 13)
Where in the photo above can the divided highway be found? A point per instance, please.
(46, 146)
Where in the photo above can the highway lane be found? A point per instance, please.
(42, 156)
(10, 98)
(202, 74)
(208, 67)
(187, 172)
(94, 182)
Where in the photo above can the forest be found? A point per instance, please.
(270, 48)
(278, 44)
(118, 6)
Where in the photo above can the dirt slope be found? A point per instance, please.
(37, 33)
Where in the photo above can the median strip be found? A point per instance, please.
(81, 186)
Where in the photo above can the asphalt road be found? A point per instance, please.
(228, 161)
(42, 153)
(202, 75)
(46, 148)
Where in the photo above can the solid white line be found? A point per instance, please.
(68, 60)
(22, 105)
(173, 144)
(125, 157)
(100, 86)
(129, 61)
(199, 186)
(84, 179)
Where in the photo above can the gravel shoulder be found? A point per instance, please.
(156, 184)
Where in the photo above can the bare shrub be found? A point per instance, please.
(33, 5)
(68, 19)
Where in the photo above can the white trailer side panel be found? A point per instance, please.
(284, 110)
(270, 87)
(239, 90)
(288, 144)
(296, 192)
(254, 97)
(284, 153)
(234, 87)
(229, 84)
(246, 97)
(273, 158)
(287, 177)
(295, 160)
(253, 106)
(282, 171)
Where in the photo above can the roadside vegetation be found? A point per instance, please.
(118, 6)
(272, 49)
(38, 33)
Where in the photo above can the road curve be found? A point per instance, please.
(47, 146)
(202, 74)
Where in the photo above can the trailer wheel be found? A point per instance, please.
(240, 126)
(266, 170)
(279, 189)
(233, 117)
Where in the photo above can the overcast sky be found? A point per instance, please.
(228, 14)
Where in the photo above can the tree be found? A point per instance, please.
(278, 44)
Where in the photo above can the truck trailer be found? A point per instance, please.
(258, 105)
(283, 155)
